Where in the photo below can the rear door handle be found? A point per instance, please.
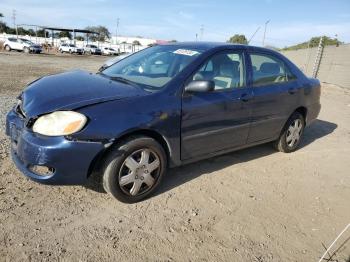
(245, 97)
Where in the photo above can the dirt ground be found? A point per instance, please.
(250, 205)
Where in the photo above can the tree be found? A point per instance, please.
(314, 42)
(136, 42)
(42, 33)
(23, 31)
(238, 39)
(79, 38)
(103, 33)
(3, 27)
(65, 34)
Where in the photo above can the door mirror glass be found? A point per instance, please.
(200, 86)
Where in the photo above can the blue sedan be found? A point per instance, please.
(161, 107)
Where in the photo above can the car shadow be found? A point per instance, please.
(181, 175)
(318, 129)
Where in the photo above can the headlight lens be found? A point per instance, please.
(59, 123)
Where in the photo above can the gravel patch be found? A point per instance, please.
(6, 103)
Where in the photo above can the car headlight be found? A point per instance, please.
(59, 123)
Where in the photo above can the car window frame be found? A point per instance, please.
(273, 56)
(244, 60)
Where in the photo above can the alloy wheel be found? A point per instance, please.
(294, 133)
(139, 172)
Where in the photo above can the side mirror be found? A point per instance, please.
(200, 86)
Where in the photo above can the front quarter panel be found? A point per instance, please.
(157, 112)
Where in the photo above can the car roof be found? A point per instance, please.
(216, 45)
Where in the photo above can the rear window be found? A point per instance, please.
(268, 70)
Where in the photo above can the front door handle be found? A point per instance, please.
(245, 97)
(292, 90)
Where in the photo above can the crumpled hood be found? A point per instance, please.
(71, 90)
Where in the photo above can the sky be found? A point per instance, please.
(291, 22)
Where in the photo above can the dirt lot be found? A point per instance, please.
(251, 205)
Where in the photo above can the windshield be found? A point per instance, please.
(153, 67)
(71, 45)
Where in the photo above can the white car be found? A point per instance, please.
(70, 48)
(92, 50)
(21, 44)
(109, 51)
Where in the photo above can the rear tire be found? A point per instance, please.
(8, 48)
(133, 169)
(291, 134)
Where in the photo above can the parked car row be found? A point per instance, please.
(88, 49)
(21, 44)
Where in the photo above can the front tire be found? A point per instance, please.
(291, 134)
(134, 169)
(7, 48)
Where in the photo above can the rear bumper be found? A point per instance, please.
(312, 113)
(69, 160)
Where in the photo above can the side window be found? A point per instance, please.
(225, 69)
(269, 70)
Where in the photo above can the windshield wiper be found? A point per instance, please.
(118, 78)
(123, 80)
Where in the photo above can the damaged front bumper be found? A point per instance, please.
(65, 162)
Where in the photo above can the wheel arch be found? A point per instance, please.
(97, 162)
(303, 111)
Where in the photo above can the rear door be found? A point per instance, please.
(276, 95)
(217, 120)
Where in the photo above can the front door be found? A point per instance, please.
(220, 119)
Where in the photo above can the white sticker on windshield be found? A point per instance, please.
(185, 52)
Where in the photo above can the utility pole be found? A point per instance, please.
(14, 20)
(1, 16)
(253, 34)
(263, 41)
(202, 30)
(116, 32)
